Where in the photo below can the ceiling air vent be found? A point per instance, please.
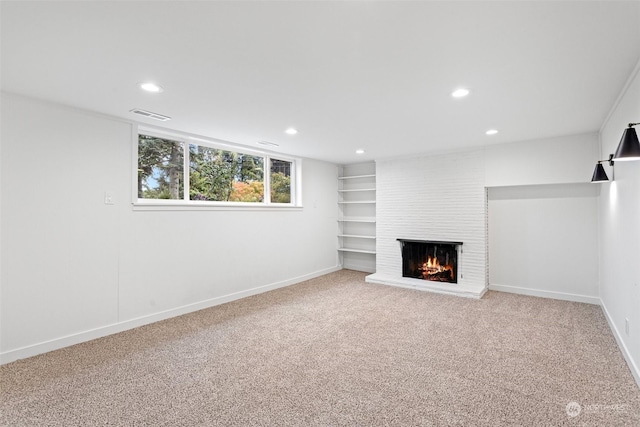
(150, 115)
(268, 144)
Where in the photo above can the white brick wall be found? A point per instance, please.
(440, 197)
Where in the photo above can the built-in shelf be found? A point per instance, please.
(357, 217)
(356, 190)
(372, 220)
(358, 202)
(357, 176)
(360, 251)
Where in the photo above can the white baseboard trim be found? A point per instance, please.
(633, 366)
(80, 337)
(545, 294)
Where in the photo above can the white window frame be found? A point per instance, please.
(186, 203)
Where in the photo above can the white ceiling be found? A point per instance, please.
(348, 75)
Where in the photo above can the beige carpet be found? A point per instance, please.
(335, 351)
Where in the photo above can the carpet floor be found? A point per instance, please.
(336, 351)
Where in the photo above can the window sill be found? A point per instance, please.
(204, 206)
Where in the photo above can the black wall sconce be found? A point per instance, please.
(599, 175)
(628, 149)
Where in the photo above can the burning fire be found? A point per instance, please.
(433, 270)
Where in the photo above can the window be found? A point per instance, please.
(213, 176)
(160, 168)
(280, 181)
(225, 176)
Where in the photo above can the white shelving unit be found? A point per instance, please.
(357, 219)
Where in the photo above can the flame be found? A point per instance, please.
(432, 266)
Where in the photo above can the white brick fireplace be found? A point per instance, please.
(439, 198)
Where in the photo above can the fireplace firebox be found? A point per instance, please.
(436, 261)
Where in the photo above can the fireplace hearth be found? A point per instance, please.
(436, 261)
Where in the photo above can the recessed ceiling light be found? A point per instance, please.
(359, 151)
(460, 93)
(150, 87)
(291, 131)
(491, 132)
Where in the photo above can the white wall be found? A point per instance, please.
(561, 160)
(542, 208)
(74, 268)
(533, 194)
(619, 210)
(543, 240)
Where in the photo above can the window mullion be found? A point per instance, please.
(267, 180)
(292, 183)
(186, 171)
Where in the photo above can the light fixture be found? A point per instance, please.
(491, 132)
(150, 87)
(629, 147)
(360, 151)
(460, 93)
(599, 175)
(291, 131)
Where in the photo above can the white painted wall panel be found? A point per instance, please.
(619, 210)
(60, 241)
(544, 238)
(71, 264)
(561, 160)
(202, 255)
